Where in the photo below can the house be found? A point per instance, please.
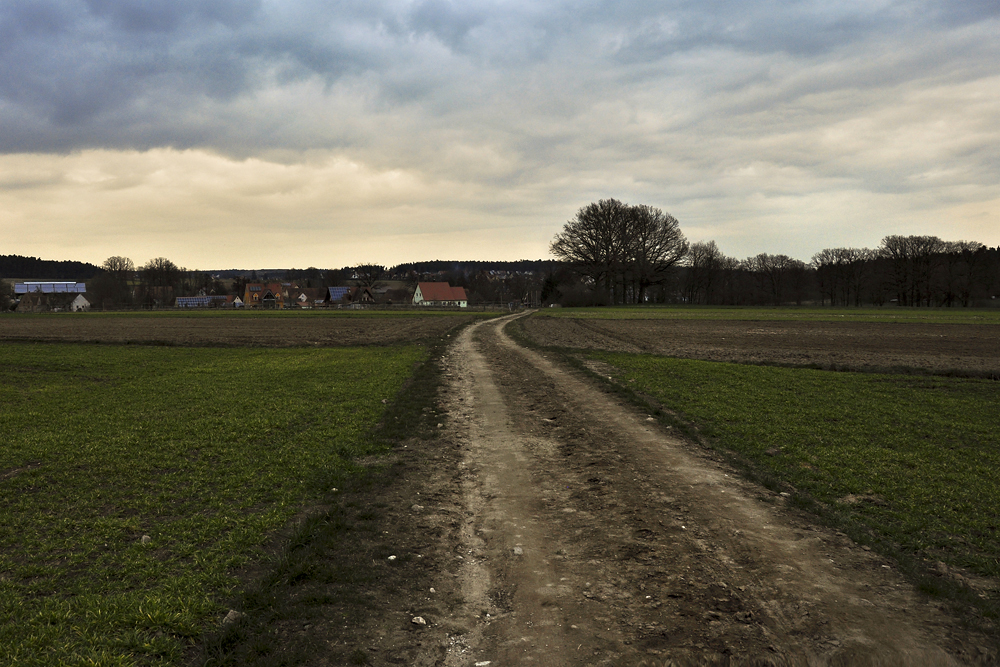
(439, 294)
(353, 297)
(362, 296)
(38, 301)
(51, 295)
(207, 301)
(306, 297)
(261, 295)
(79, 303)
(337, 296)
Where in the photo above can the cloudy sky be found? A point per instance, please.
(290, 133)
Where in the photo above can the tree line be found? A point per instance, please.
(609, 253)
(904, 270)
(616, 253)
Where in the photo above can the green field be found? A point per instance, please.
(887, 314)
(206, 451)
(911, 464)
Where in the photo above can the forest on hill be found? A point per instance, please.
(34, 268)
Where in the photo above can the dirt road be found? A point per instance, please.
(592, 536)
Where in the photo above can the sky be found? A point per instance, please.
(295, 133)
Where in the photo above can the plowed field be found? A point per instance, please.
(962, 348)
(234, 330)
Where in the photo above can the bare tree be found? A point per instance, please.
(621, 249)
(121, 274)
(120, 267)
(369, 275)
(961, 271)
(843, 274)
(704, 261)
(775, 275)
(592, 241)
(827, 263)
(913, 259)
(159, 277)
(654, 245)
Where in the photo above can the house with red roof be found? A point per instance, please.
(260, 295)
(439, 294)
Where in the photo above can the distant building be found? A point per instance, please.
(37, 301)
(50, 287)
(337, 296)
(353, 297)
(439, 294)
(306, 297)
(207, 301)
(79, 303)
(261, 295)
(362, 296)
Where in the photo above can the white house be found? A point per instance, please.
(439, 294)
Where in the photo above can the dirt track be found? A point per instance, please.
(593, 537)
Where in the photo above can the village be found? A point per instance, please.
(72, 296)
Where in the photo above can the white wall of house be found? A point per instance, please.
(79, 303)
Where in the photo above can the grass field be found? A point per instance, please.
(914, 459)
(206, 451)
(887, 314)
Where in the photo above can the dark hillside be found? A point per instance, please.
(470, 267)
(32, 268)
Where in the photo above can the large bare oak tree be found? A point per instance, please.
(621, 249)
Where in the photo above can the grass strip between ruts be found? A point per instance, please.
(205, 451)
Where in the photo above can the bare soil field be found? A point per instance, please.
(969, 348)
(239, 330)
